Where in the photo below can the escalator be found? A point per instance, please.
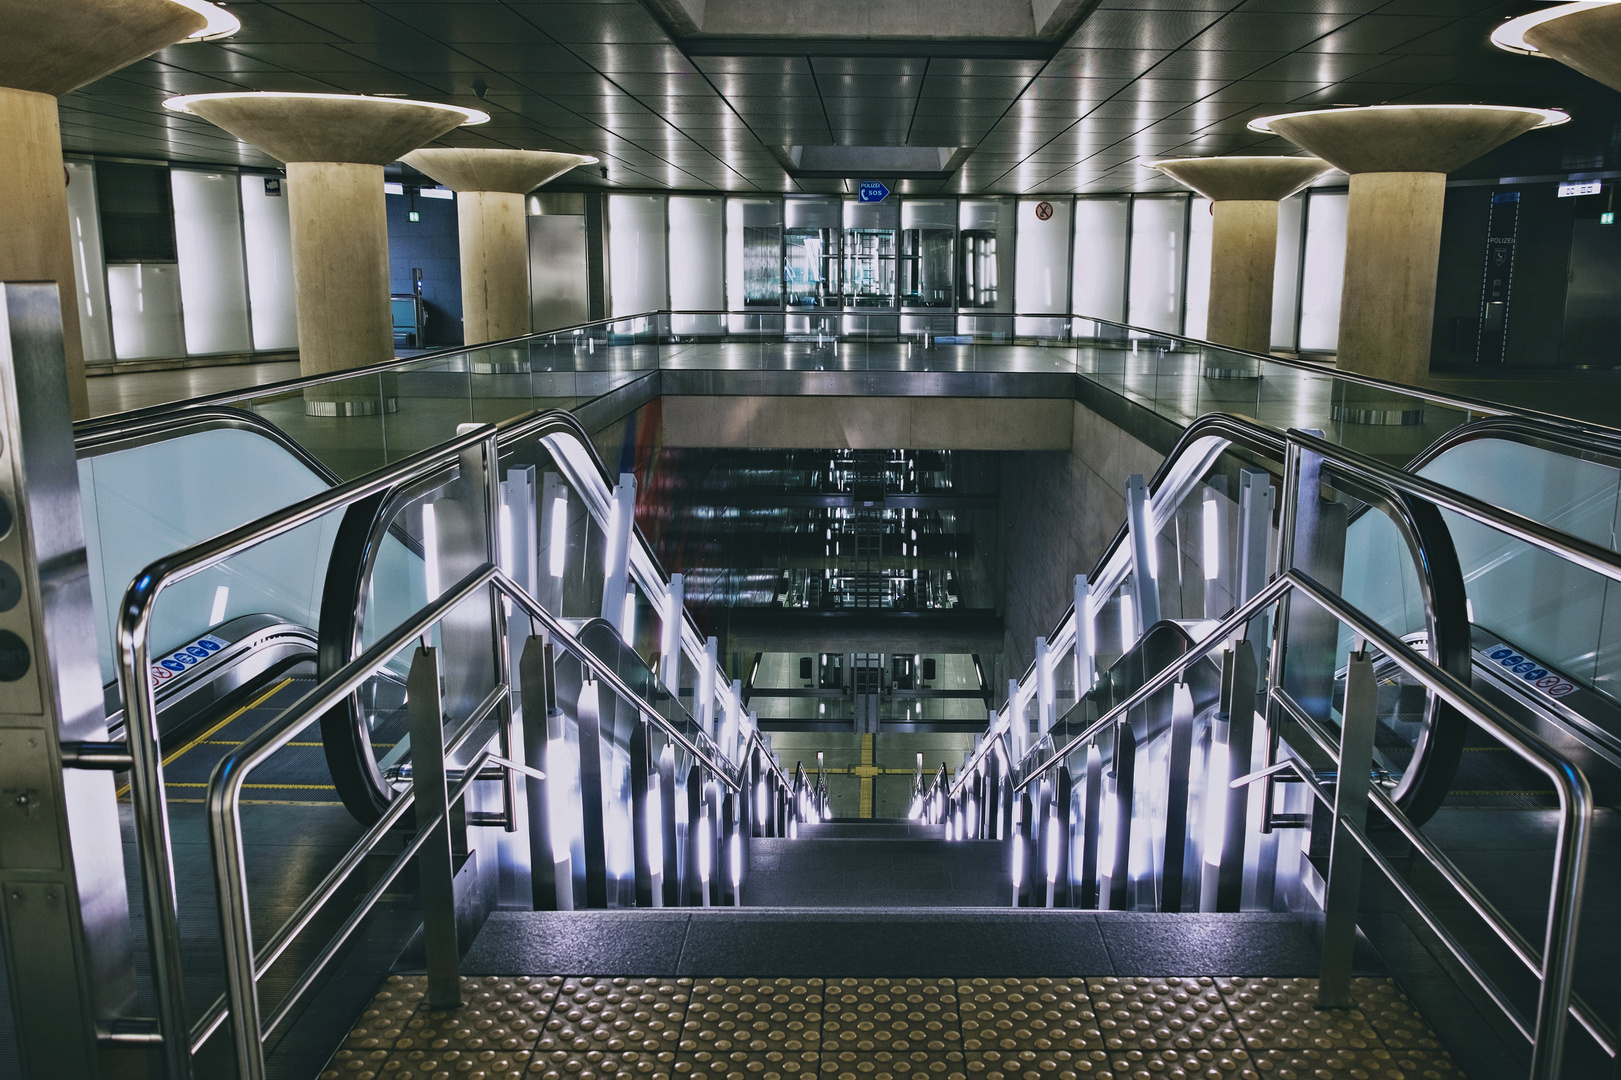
(1490, 563)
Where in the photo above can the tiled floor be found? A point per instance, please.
(560, 1028)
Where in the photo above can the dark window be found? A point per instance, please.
(137, 212)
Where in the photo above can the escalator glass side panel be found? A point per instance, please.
(144, 502)
(1567, 614)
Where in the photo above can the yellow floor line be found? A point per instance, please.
(266, 802)
(253, 787)
(254, 704)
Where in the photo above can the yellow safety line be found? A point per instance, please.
(267, 802)
(251, 787)
(254, 704)
(866, 777)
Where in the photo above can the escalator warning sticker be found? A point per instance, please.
(184, 657)
(1527, 670)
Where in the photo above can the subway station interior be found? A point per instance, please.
(810, 539)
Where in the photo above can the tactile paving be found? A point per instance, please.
(1105, 1028)
(754, 1016)
(1171, 1027)
(612, 1027)
(901, 1017)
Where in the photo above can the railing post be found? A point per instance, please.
(1358, 719)
(1238, 718)
(1060, 892)
(589, 716)
(670, 635)
(1176, 799)
(537, 689)
(1143, 564)
(438, 882)
(640, 767)
(1091, 828)
(671, 873)
(1125, 774)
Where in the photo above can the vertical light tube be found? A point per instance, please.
(1215, 800)
(616, 559)
(557, 542)
(670, 636)
(706, 686)
(627, 618)
(430, 550)
(1128, 622)
(1046, 694)
(1085, 637)
(222, 597)
(1144, 568)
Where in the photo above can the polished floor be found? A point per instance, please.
(1104, 1027)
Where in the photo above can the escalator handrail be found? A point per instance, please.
(227, 784)
(133, 656)
(1556, 1000)
(382, 367)
(1225, 431)
(107, 435)
(1454, 401)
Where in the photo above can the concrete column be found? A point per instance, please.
(340, 255)
(1244, 193)
(490, 186)
(1398, 157)
(46, 50)
(335, 146)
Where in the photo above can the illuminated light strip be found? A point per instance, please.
(1510, 36)
(205, 736)
(1550, 117)
(182, 103)
(220, 23)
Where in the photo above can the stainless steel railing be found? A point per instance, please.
(244, 966)
(1352, 793)
(153, 844)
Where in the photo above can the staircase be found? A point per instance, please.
(876, 864)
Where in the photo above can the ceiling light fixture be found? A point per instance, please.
(1510, 36)
(220, 24)
(182, 104)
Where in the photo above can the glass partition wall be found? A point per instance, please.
(957, 271)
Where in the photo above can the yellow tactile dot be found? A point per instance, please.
(896, 1016)
(454, 1065)
(390, 1010)
(499, 1015)
(1282, 1014)
(773, 1065)
(889, 1065)
(754, 1016)
(1036, 1014)
(1392, 1016)
(616, 1016)
(1173, 1028)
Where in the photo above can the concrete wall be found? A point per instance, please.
(868, 423)
(1059, 512)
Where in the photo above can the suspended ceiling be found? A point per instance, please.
(1137, 80)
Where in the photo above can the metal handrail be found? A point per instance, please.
(1453, 401)
(244, 967)
(1254, 436)
(1556, 999)
(148, 798)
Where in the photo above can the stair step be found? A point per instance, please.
(890, 943)
(870, 830)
